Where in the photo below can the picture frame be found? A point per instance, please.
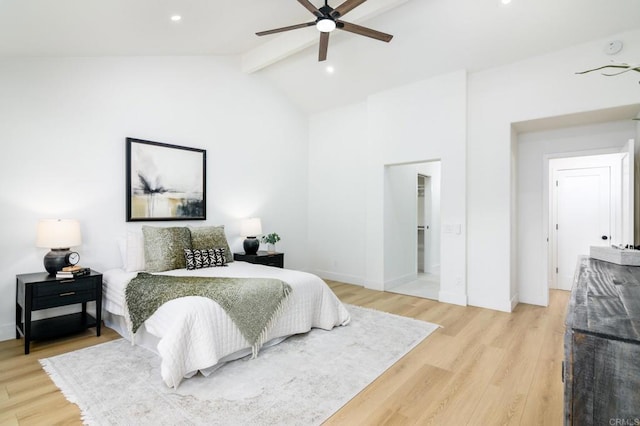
(165, 182)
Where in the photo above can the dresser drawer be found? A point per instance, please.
(56, 288)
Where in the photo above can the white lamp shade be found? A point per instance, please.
(58, 233)
(251, 227)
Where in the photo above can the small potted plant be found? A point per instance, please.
(271, 240)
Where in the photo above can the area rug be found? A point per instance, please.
(302, 381)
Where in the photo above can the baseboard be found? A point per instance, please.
(485, 302)
(434, 269)
(7, 332)
(389, 284)
(453, 298)
(343, 278)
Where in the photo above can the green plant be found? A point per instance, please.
(624, 67)
(271, 238)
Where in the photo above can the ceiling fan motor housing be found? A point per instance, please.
(327, 19)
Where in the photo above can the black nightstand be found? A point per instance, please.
(42, 291)
(262, 258)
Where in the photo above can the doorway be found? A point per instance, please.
(413, 214)
(586, 201)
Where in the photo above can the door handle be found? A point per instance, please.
(604, 237)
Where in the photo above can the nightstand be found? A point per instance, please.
(262, 258)
(42, 291)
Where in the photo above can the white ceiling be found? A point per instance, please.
(430, 36)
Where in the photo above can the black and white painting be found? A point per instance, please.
(165, 182)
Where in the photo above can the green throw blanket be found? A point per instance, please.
(252, 303)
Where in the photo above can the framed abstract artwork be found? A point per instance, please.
(165, 182)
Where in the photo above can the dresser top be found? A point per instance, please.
(605, 300)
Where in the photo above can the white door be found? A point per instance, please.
(583, 217)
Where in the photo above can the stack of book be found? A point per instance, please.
(72, 272)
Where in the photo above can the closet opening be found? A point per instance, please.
(412, 223)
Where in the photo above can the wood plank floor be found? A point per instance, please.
(482, 367)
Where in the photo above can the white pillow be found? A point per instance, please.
(135, 252)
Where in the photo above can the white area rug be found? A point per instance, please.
(301, 381)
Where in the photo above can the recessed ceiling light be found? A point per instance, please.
(330, 69)
(506, 1)
(176, 18)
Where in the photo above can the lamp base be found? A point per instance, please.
(251, 245)
(54, 261)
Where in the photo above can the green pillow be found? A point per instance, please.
(164, 248)
(208, 237)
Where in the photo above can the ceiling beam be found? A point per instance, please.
(286, 44)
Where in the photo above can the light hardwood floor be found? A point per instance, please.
(482, 367)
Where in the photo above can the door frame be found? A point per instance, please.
(579, 160)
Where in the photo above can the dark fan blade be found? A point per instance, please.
(291, 27)
(345, 7)
(367, 32)
(311, 8)
(324, 46)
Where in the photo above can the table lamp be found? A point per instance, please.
(58, 235)
(251, 228)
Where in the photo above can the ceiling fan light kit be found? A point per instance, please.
(327, 20)
(326, 25)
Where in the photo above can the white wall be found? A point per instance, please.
(539, 87)
(415, 123)
(63, 124)
(337, 187)
(352, 145)
(432, 119)
(535, 149)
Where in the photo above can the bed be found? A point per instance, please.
(195, 334)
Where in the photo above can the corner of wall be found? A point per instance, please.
(514, 301)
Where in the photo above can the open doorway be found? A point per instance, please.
(590, 200)
(413, 214)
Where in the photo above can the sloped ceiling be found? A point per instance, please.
(430, 36)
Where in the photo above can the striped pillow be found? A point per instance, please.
(205, 258)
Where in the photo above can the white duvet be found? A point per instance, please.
(196, 334)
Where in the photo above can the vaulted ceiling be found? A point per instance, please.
(430, 36)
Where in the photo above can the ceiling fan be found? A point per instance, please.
(327, 20)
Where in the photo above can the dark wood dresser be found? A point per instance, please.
(601, 370)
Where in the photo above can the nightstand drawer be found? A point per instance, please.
(55, 288)
(63, 298)
(272, 261)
